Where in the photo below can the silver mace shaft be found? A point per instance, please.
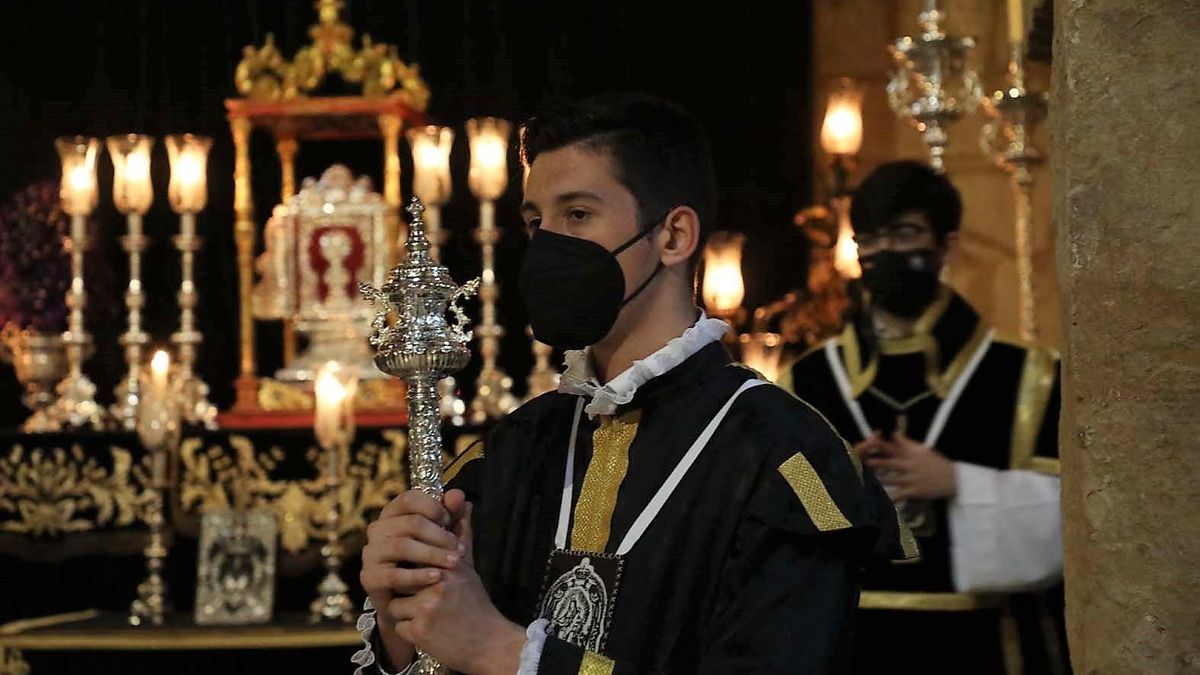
(421, 348)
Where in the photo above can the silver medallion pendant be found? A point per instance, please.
(579, 596)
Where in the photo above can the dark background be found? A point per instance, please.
(156, 67)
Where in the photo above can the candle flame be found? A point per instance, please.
(161, 362)
(842, 130)
(723, 289)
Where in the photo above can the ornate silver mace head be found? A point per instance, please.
(421, 342)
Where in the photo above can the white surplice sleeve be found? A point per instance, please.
(1005, 530)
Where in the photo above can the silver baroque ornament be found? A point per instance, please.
(421, 347)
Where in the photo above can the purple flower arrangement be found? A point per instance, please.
(35, 265)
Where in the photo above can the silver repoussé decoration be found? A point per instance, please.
(421, 347)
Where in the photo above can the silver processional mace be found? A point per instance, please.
(421, 347)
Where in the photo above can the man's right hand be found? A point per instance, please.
(407, 548)
(868, 446)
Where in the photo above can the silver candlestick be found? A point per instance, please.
(76, 406)
(543, 378)
(128, 393)
(133, 194)
(493, 388)
(933, 85)
(421, 348)
(1015, 111)
(188, 193)
(157, 423)
(197, 408)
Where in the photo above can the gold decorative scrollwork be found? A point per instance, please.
(12, 662)
(276, 396)
(263, 73)
(240, 476)
(52, 492)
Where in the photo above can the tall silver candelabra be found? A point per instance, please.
(333, 595)
(543, 377)
(129, 389)
(157, 423)
(76, 406)
(493, 389)
(421, 347)
(196, 407)
(933, 85)
(1015, 111)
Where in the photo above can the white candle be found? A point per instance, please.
(160, 365)
(328, 421)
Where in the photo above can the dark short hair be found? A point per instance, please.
(659, 152)
(896, 188)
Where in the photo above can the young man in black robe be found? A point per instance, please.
(961, 428)
(665, 510)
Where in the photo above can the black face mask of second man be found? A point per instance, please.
(574, 288)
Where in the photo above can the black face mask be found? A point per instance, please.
(574, 288)
(901, 282)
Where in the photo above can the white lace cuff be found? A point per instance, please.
(531, 653)
(365, 657)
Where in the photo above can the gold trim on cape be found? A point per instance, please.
(921, 341)
(927, 602)
(908, 541)
(596, 664)
(1037, 381)
(476, 451)
(605, 473)
(817, 502)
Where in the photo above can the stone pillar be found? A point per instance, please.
(1126, 205)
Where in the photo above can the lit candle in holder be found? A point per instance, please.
(188, 189)
(431, 177)
(845, 252)
(333, 424)
(132, 190)
(488, 178)
(78, 193)
(76, 406)
(488, 175)
(723, 289)
(160, 365)
(132, 195)
(842, 129)
(333, 421)
(188, 193)
(431, 163)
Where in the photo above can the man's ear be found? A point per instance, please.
(680, 236)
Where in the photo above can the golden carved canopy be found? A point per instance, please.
(265, 75)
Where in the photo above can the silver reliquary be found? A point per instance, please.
(319, 247)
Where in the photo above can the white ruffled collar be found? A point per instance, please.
(580, 380)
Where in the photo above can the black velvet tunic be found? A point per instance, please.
(1005, 418)
(752, 565)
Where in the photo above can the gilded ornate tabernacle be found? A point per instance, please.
(325, 241)
(277, 98)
